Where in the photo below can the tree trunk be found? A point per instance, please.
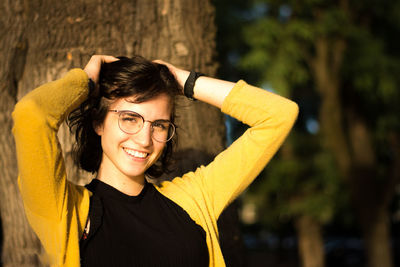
(371, 199)
(331, 114)
(20, 247)
(353, 152)
(311, 245)
(42, 40)
(376, 234)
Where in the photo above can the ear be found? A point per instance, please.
(98, 128)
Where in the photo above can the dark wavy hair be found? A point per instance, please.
(126, 77)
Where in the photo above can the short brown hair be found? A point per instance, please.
(126, 77)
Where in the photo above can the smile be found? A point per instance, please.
(135, 153)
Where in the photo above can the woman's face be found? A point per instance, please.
(130, 155)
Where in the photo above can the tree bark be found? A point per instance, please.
(311, 245)
(20, 247)
(42, 40)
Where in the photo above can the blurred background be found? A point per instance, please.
(330, 197)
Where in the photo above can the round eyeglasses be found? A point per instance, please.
(131, 123)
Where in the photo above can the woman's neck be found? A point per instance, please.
(131, 186)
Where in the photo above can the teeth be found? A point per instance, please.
(135, 153)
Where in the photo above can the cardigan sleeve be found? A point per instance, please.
(270, 118)
(46, 193)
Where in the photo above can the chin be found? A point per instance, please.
(133, 174)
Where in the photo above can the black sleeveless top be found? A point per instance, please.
(144, 230)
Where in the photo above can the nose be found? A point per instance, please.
(143, 137)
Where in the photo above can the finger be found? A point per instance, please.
(159, 61)
(94, 65)
(108, 59)
(171, 67)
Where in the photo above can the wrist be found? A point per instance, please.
(181, 77)
(190, 82)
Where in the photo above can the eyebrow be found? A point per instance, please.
(127, 110)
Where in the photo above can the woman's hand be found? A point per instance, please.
(180, 74)
(93, 67)
(206, 89)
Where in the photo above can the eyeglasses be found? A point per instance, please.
(131, 123)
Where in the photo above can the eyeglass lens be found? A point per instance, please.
(131, 122)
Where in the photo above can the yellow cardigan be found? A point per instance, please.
(58, 209)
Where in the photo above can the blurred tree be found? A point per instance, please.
(42, 40)
(346, 51)
(299, 184)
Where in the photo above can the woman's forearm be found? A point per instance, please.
(210, 90)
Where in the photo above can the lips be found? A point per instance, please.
(135, 153)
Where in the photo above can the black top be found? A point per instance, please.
(144, 230)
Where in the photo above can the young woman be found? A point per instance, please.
(123, 114)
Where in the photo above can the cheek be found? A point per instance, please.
(112, 135)
(159, 150)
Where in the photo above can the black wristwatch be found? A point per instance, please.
(91, 85)
(189, 84)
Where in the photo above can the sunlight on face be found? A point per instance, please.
(128, 156)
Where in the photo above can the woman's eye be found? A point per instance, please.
(131, 118)
(159, 126)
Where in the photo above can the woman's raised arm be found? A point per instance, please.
(270, 118)
(37, 117)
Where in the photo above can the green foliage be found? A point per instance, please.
(296, 182)
(280, 57)
(274, 43)
(370, 69)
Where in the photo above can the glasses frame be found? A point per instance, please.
(151, 124)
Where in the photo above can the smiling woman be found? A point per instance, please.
(124, 128)
(134, 81)
(127, 156)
